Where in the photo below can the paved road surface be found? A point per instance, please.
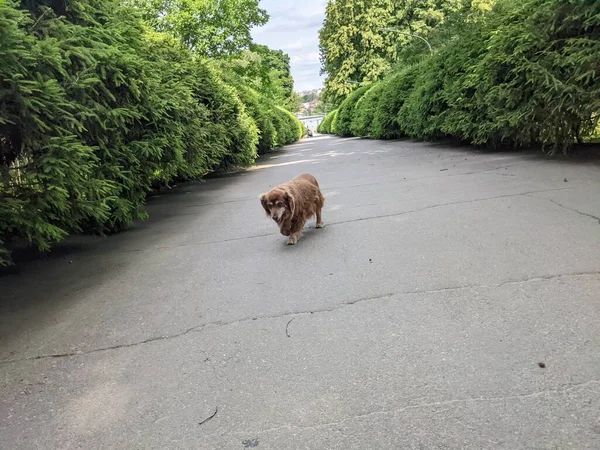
(415, 320)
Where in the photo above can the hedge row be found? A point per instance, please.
(277, 126)
(326, 125)
(95, 110)
(527, 74)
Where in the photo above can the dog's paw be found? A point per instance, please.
(292, 241)
(319, 225)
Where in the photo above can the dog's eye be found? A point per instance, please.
(270, 204)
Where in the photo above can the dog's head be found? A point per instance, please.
(278, 204)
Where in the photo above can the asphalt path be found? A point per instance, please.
(452, 301)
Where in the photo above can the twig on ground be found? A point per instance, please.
(210, 417)
(286, 327)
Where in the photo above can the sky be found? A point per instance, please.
(294, 28)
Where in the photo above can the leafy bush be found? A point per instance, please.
(334, 121)
(539, 75)
(395, 91)
(289, 128)
(526, 73)
(94, 111)
(417, 116)
(325, 125)
(294, 124)
(258, 110)
(362, 120)
(346, 112)
(276, 125)
(462, 116)
(61, 107)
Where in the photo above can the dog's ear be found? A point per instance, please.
(291, 202)
(263, 202)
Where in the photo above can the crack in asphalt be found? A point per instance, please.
(497, 168)
(397, 179)
(221, 323)
(289, 427)
(460, 202)
(360, 219)
(572, 209)
(103, 349)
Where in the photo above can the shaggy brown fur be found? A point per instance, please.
(293, 203)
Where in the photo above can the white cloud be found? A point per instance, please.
(293, 45)
(294, 28)
(308, 57)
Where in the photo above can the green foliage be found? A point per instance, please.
(263, 81)
(362, 119)
(54, 106)
(95, 110)
(276, 76)
(347, 110)
(334, 122)
(396, 90)
(418, 114)
(289, 128)
(208, 27)
(264, 70)
(525, 72)
(325, 125)
(258, 109)
(231, 125)
(294, 104)
(354, 46)
(309, 97)
(276, 125)
(540, 77)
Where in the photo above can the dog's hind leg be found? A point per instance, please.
(319, 207)
(319, 219)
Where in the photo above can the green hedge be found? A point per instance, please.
(325, 125)
(363, 118)
(276, 125)
(95, 110)
(293, 125)
(395, 92)
(347, 110)
(525, 74)
(289, 129)
(259, 110)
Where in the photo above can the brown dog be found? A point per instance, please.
(291, 204)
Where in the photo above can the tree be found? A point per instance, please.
(277, 65)
(295, 103)
(310, 96)
(354, 45)
(209, 27)
(265, 70)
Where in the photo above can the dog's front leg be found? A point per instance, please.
(295, 231)
(293, 239)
